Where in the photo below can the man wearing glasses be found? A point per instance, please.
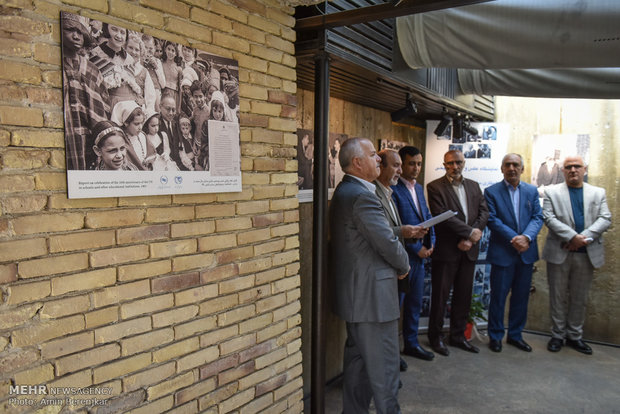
(456, 250)
(576, 214)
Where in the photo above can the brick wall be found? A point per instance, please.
(187, 303)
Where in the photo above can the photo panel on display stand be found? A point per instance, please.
(548, 153)
(146, 116)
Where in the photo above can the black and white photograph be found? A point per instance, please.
(548, 152)
(469, 150)
(484, 151)
(489, 133)
(335, 170)
(146, 116)
(389, 144)
(305, 154)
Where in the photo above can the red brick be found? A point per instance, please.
(254, 120)
(270, 385)
(175, 282)
(219, 273)
(137, 234)
(257, 350)
(276, 96)
(236, 373)
(218, 366)
(288, 111)
(267, 219)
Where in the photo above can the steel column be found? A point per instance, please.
(319, 231)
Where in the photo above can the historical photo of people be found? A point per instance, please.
(135, 103)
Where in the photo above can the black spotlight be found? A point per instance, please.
(409, 110)
(470, 129)
(457, 130)
(443, 125)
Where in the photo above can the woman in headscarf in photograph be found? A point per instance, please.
(130, 117)
(110, 145)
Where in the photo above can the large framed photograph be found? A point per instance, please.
(145, 116)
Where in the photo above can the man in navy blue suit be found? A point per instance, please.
(515, 218)
(409, 198)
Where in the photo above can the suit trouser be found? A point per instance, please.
(517, 280)
(412, 304)
(569, 284)
(371, 367)
(458, 275)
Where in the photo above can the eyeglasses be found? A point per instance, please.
(575, 166)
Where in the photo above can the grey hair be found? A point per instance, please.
(350, 149)
(513, 153)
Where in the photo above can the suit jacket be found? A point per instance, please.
(441, 197)
(409, 214)
(558, 216)
(365, 255)
(503, 223)
(392, 216)
(173, 137)
(396, 225)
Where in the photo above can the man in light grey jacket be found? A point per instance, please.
(576, 214)
(366, 260)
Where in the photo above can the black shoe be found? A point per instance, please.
(579, 346)
(464, 345)
(555, 344)
(439, 347)
(403, 365)
(400, 384)
(519, 343)
(419, 352)
(495, 345)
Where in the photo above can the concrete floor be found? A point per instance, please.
(512, 381)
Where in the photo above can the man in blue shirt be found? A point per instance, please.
(515, 218)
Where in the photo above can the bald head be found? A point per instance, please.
(574, 169)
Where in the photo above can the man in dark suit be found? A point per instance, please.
(390, 172)
(456, 250)
(169, 124)
(411, 204)
(366, 260)
(515, 218)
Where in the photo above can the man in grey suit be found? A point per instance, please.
(366, 260)
(391, 169)
(576, 214)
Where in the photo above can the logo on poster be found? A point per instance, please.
(163, 179)
(178, 179)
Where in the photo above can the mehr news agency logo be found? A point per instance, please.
(43, 395)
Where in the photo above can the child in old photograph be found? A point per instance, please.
(110, 146)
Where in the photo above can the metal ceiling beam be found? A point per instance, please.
(378, 12)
